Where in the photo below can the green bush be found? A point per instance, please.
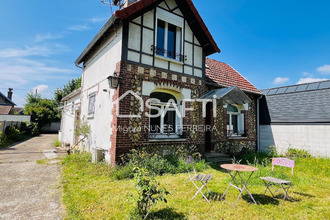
(155, 164)
(297, 153)
(14, 133)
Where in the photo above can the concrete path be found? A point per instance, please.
(29, 190)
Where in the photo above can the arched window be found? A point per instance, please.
(235, 121)
(166, 123)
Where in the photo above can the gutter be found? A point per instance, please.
(258, 124)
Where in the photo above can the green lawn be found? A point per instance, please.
(91, 193)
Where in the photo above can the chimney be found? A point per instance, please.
(128, 3)
(10, 93)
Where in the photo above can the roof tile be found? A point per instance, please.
(5, 109)
(225, 75)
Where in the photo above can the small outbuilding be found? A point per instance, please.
(296, 116)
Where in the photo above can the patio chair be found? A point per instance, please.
(202, 178)
(270, 181)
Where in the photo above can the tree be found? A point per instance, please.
(72, 85)
(42, 111)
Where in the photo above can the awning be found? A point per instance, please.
(230, 95)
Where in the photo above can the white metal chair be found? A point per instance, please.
(270, 181)
(203, 178)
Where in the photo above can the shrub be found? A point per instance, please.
(14, 134)
(148, 191)
(297, 153)
(154, 163)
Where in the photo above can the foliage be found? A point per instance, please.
(90, 191)
(57, 143)
(13, 133)
(297, 153)
(60, 93)
(154, 163)
(82, 128)
(29, 128)
(42, 111)
(148, 191)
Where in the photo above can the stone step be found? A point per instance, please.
(219, 158)
(215, 155)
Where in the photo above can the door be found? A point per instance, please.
(208, 145)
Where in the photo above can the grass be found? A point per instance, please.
(91, 192)
(57, 143)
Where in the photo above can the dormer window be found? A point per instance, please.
(169, 36)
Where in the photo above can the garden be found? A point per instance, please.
(148, 185)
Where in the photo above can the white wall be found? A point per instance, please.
(313, 138)
(66, 133)
(12, 120)
(95, 81)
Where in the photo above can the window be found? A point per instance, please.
(235, 122)
(169, 35)
(166, 124)
(168, 40)
(91, 104)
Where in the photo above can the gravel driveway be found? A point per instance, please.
(29, 190)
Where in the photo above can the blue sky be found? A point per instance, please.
(271, 43)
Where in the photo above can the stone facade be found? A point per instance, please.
(137, 135)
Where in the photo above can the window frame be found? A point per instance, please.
(240, 123)
(177, 21)
(91, 112)
(178, 120)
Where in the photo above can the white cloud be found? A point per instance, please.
(28, 51)
(97, 19)
(79, 27)
(39, 50)
(325, 69)
(19, 71)
(309, 80)
(41, 88)
(280, 80)
(47, 36)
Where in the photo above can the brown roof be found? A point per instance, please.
(142, 4)
(225, 75)
(5, 109)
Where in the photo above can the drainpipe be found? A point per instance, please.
(258, 124)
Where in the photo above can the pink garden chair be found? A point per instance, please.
(270, 181)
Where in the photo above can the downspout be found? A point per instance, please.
(258, 124)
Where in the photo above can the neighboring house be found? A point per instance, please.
(70, 115)
(9, 114)
(296, 116)
(6, 103)
(159, 49)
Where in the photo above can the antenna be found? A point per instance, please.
(116, 3)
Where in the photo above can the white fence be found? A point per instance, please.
(12, 120)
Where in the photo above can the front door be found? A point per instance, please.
(208, 145)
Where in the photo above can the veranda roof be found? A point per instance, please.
(230, 95)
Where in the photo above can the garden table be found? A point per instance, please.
(239, 183)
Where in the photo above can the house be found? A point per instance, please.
(168, 89)
(69, 117)
(6, 103)
(296, 116)
(9, 114)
